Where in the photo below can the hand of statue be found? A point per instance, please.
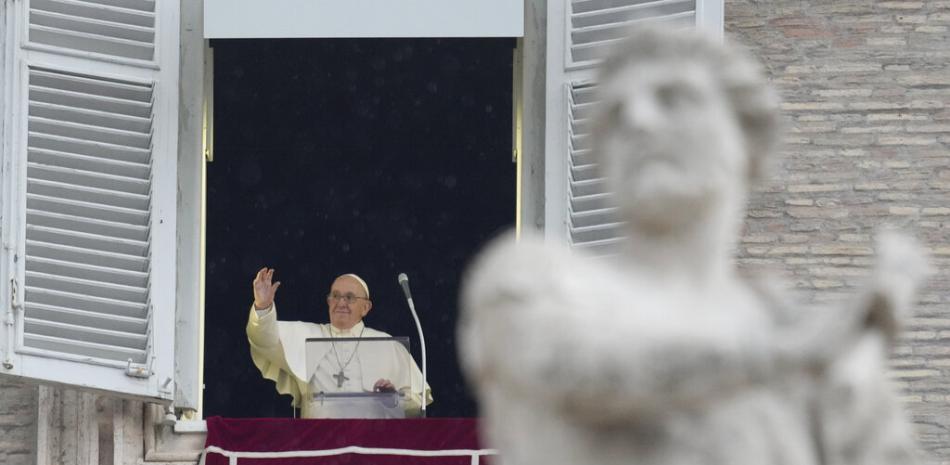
(264, 290)
(384, 385)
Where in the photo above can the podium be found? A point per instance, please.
(330, 368)
(357, 405)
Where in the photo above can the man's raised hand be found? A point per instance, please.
(264, 290)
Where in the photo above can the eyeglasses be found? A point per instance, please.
(348, 297)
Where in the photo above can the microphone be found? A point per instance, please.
(404, 282)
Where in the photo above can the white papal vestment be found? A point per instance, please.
(278, 351)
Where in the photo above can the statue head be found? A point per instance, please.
(684, 124)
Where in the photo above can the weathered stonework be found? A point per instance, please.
(17, 423)
(866, 86)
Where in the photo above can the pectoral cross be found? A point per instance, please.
(340, 378)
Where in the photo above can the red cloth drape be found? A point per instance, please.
(279, 434)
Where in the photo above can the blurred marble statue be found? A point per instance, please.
(667, 355)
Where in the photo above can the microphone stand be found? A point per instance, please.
(404, 282)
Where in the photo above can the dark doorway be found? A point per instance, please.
(371, 156)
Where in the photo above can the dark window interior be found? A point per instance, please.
(371, 156)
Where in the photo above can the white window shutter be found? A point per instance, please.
(592, 223)
(90, 195)
(578, 208)
(595, 24)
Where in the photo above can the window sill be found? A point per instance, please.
(181, 443)
(191, 427)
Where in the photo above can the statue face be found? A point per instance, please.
(669, 142)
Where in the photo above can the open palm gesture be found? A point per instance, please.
(264, 289)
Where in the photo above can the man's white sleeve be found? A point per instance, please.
(267, 352)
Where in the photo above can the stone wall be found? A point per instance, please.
(17, 423)
(866, 91)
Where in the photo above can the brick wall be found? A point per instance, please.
(866, 90)
(17, 423)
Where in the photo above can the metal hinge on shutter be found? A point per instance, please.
(15, 305)
(142, 370)
(10, 322)
(139, 370)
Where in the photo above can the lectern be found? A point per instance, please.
(333, 398)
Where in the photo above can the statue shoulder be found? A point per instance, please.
(514, 271)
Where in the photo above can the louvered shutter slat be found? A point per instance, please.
(86, 287)
(625, 14)
(89, 117)
(87, 147)
(584, 203)
(123, 30)
(583, 6)
(600, 248)
(582, 158)
(582, 112)
(581, 125)
(85, 224)
(581, 142)
(84, 162)
(81, 318)
(88, 241)
(591, 43)
(97, 10)
(92, 179)
(88, 194)
(582, 172)
(84, 302)
(583, 95)
(594, 217)
(91, 42)
(95, 335)
(90, 210)
(588, 187)
(595, 25)
(87, 271)
(139, 34)
(83, 348)
(95, 87)
(89, 132)
(141, 5)
(68, 253)
(91, 102)
(596, 233)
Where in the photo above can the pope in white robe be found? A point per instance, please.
(278, 350)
